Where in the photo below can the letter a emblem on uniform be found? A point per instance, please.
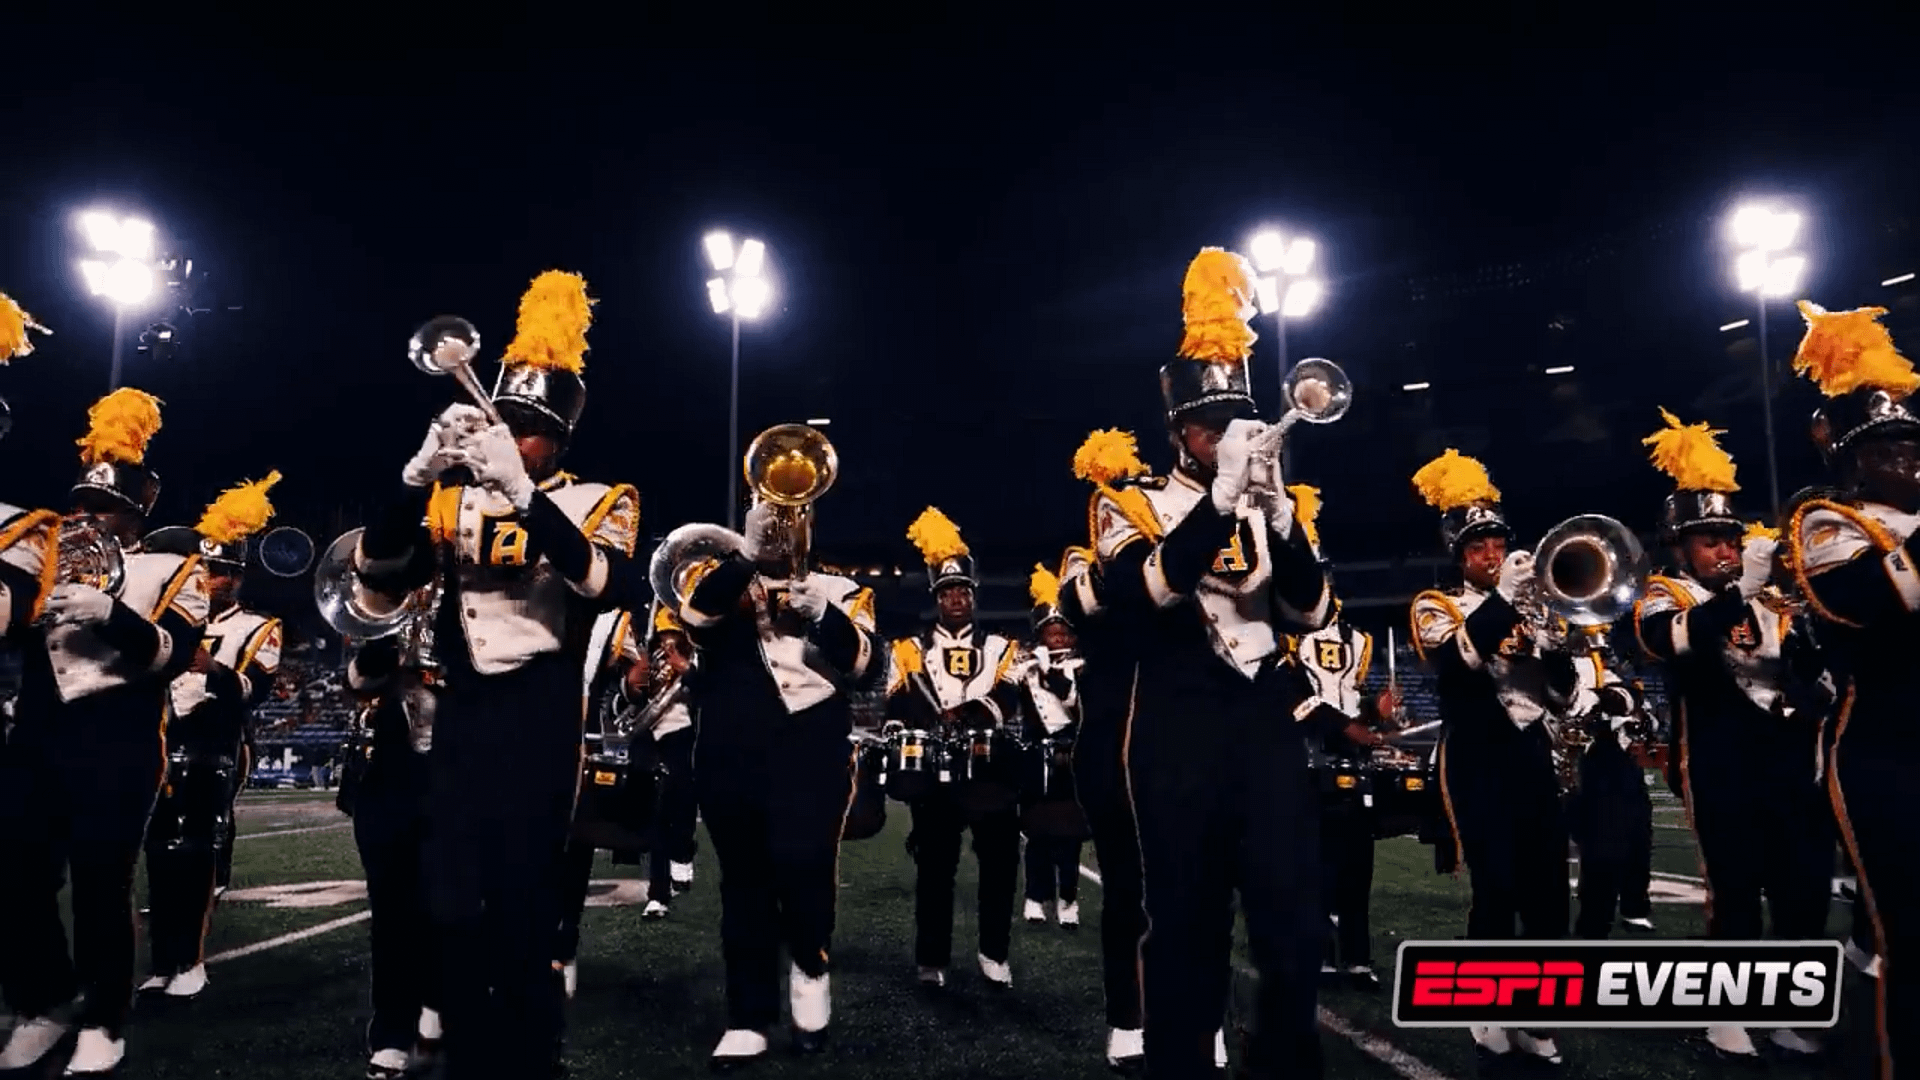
(960, 663)
(1332, 656)
(1232, 559)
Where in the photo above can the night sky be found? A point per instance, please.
(977, 252)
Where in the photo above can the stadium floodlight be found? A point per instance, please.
(1302, 298)
(1283, 291)
(742, 291)
(1762, 234)
(1416, 386)
(1562, 369)
(121, 270)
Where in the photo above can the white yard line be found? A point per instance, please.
(290, 832)
(288, 939)
(1375, 1047)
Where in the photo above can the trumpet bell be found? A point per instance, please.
(670, 571)
(337, 595)
(1590, 569)
(1319, 391)
(791, 465)
(444, 345)
(286, 552)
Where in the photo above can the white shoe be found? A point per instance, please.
(1491, 1039)
(1732, 1040)
(188, 983)
(810, 1000)
(30, 1041)
(158, 982)
(933, 976)
(430, 1025)
(1220, 1049)
(655, 910)
(570, 977)
(1069, 914)
(1795, 1043)
(996, 971)
(1035, 912)
(739, 1044)
(681, 874)
(388, 1064)
(1645, 926)
(1547, 1048)
(96, 1053)
(1125, 1045)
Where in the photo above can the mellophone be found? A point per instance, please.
(988, 770)
(1401, 788)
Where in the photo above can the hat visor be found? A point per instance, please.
(1217, 410)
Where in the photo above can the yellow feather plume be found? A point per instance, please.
(119, 427)
(1217, 301)
(1757, 531)
(14, 324)
(239, 511)
(552, 332)
(1107, 456)
(937, 538)
(1043, 587)
(1690, 454)
(1849, 350)
(1306, 510)
(1453, 480)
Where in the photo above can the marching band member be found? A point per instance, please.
(522, 557)
(1853, 561)
(1336, 658)
(1212, 566)
(616, 672)
(86, 755)
(1049, 685)
(211, 702)
(670, 869)
(1110, 461)
(1746, 752)
(952, 677)
(389, 805)
(27, 568)
(1610, 817)
(1500, 687)
(779, 654)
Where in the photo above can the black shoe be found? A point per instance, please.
(809, 1042)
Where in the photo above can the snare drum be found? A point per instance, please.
(1341, 779)
(194, 810)
(618, 795)
(986, 772)
(867, 814)
(915, 762)
(1049, 809)
(1406, 794)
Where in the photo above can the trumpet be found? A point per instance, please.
(446, 346)
(788, 467)
(344, 604)
(1316, 391)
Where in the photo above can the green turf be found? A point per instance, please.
(650, 1000)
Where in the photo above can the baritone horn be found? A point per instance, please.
(788, 467)
(1589, 570)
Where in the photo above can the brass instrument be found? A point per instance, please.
(788, 467)
(354, 611)
(446, 346)
(1318, 392)
(88, 554)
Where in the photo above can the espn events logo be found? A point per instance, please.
(1617, 984)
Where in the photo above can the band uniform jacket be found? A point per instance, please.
(807, 669)
(1494, 676)
(514, 600)
(965, 671)
(1600, 691)
(163, 605)
(245, 643)
(26, 566)
(1736, 665)
(1335, 660)
(1250, 579)
(1052, 692)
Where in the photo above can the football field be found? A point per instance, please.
(288, 962)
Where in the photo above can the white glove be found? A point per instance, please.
(80, 605)
(1232, 462)
(1756, 566)
(762, 532)
(494, 457)
(437, 452)
(1514, 575)
(807, 599)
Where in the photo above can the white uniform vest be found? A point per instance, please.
(1056, 713)
(235, 638)
(955, 667)
(83, 662)
(1336, 658)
